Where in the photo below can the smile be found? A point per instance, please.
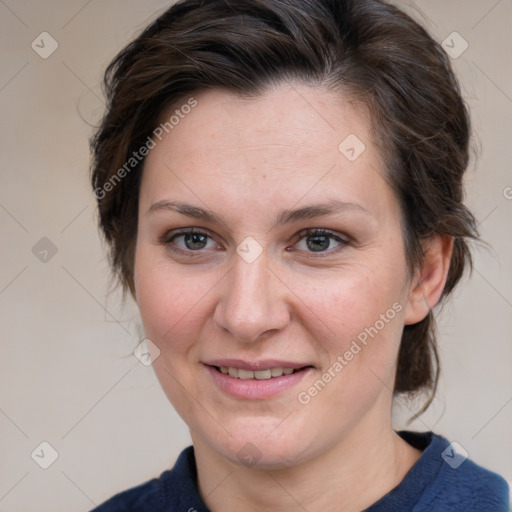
(239, 373)
(263, 381)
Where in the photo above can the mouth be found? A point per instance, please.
(263, 374)
(256, 380)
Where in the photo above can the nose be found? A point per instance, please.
(253, 301)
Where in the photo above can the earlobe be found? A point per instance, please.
(428, 284)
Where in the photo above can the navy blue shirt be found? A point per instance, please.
(441, 480)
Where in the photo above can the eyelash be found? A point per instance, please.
(168, 239)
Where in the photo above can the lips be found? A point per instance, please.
(264, 364)
(257, 374)
(256, 379)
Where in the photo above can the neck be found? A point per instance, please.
(364, 466)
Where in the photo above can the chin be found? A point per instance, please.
(263, 443)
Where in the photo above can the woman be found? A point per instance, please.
(280, 183)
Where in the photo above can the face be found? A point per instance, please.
(268, 251)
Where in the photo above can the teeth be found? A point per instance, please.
(257, 374)
(263, 374)
(245, 374)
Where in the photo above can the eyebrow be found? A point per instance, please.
(285, 217)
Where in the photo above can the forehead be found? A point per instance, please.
(289, 141)
(314, 120)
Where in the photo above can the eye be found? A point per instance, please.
(188, 240)
(319, 241)
(193, 240)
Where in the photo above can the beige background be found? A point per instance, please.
(67, 375)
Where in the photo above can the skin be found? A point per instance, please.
(247, 160)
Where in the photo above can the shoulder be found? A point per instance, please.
(459, 483)
(142, 498)
(172, 490)
(469, 485)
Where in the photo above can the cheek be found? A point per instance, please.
(346, 307)
(172, 301)
(161, 297)
(169, 304)
(359, 331)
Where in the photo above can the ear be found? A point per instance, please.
(428, 283)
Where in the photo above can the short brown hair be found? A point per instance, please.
(364, 47)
